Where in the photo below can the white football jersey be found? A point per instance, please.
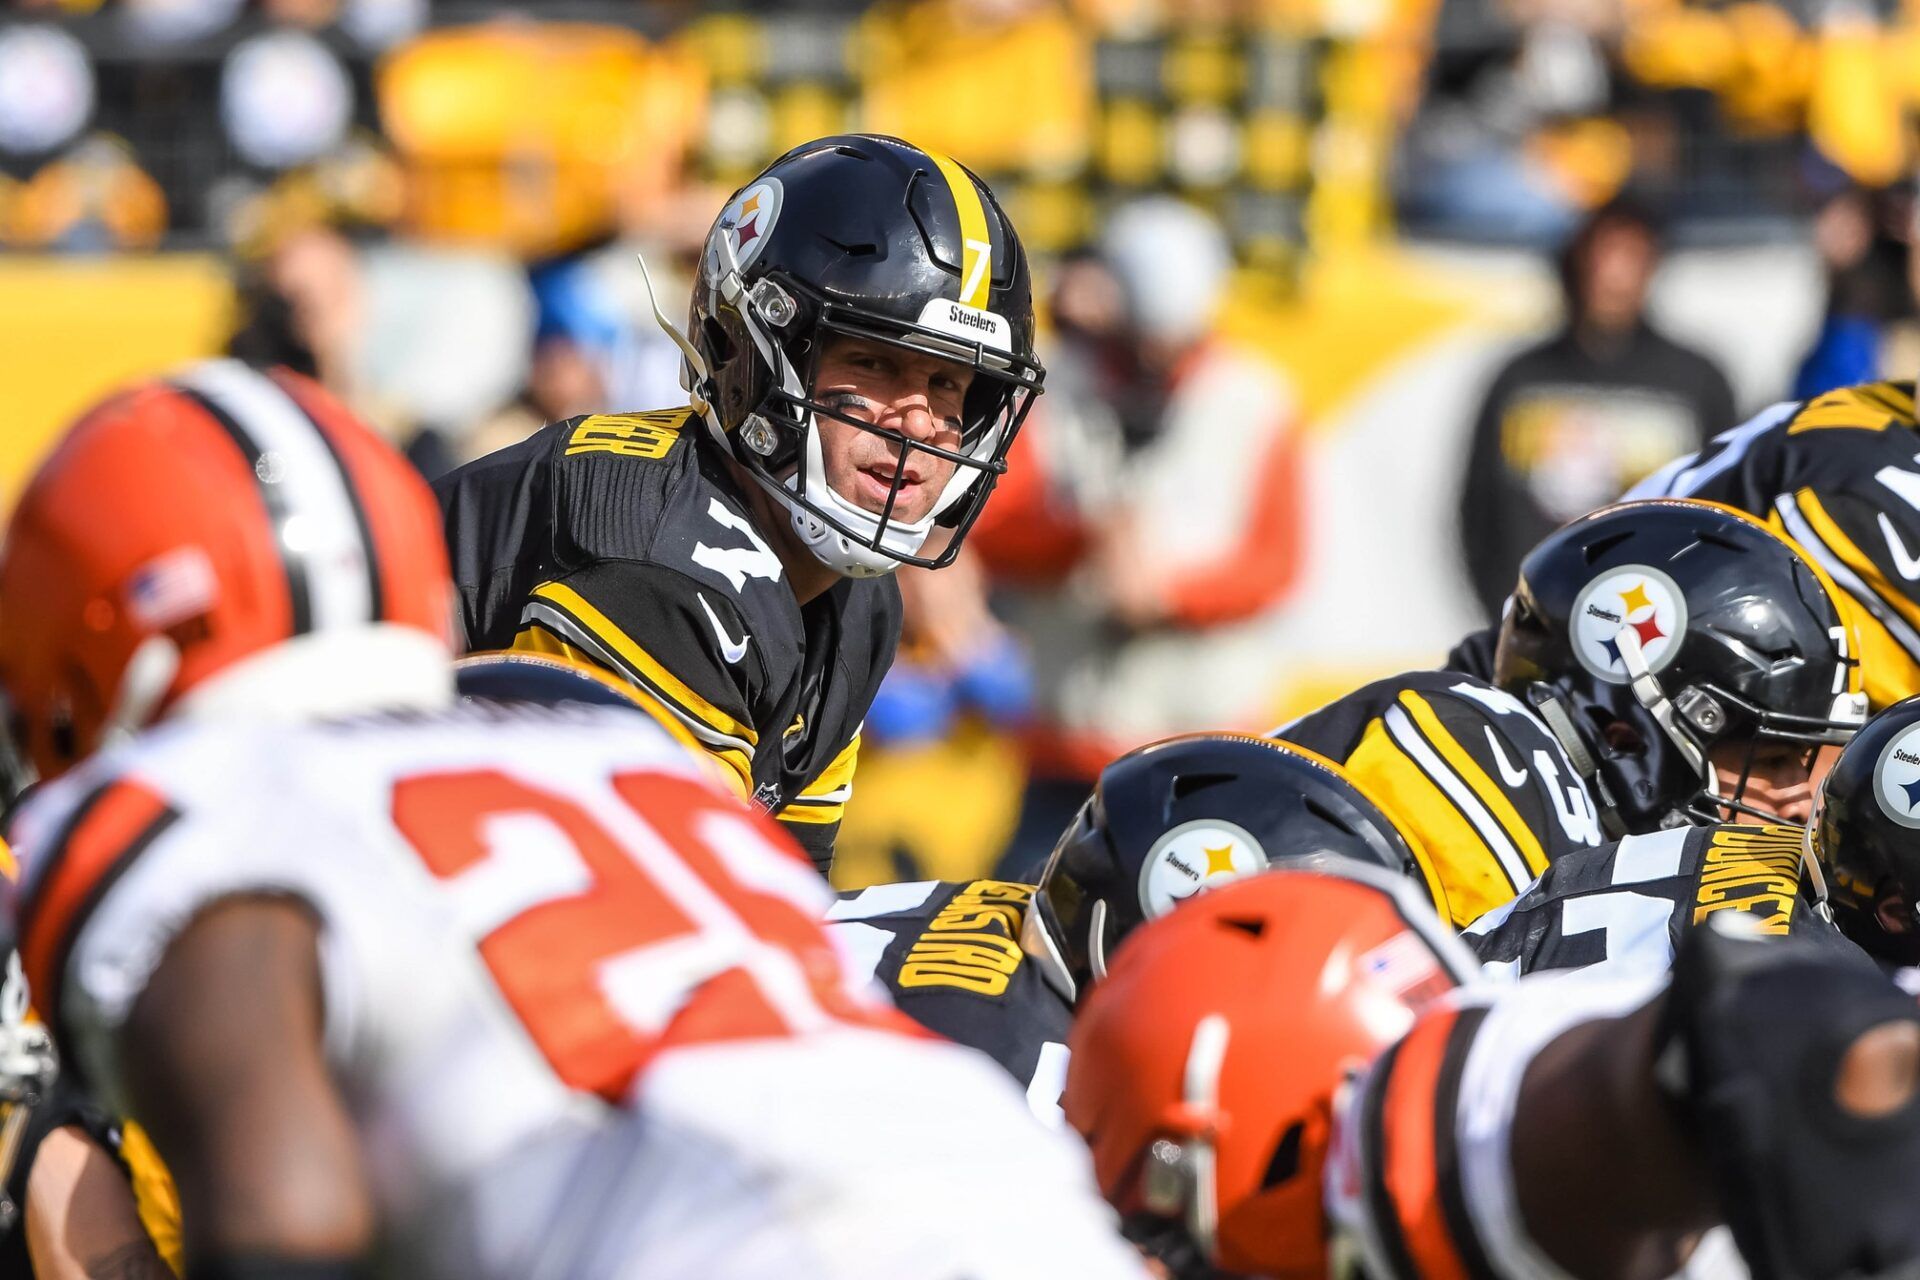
(577, 999)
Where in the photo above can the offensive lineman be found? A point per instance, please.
(1483, 793)
(1747, 684)
(1694, 664)
(859, 358)
(515, 991)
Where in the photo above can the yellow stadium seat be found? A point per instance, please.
(529, 136)
(1000, 96)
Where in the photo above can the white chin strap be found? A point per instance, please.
(1648, 693)
(1044, 952)
(1810, 860)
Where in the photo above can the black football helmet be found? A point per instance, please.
(1865, 835)
(868, 237)
(1647, 633)
(1167, 820)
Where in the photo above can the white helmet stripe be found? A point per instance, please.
(321, 530)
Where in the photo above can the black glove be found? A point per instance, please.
(1752, 1040)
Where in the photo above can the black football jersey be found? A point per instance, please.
(1840, 475)
(1627, 903)
(623, 540)
(949, 954)
(1481, 789)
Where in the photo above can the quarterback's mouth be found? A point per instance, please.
(875, 484)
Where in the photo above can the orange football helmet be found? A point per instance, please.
(1204, 1068)
(187, 524)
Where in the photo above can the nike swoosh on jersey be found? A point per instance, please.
(730, 649)
(1510, 775)
(1904, 561)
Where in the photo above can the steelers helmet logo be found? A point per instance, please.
(1896, 779)
(1203, 854)
(745, 223)
(1634, 598)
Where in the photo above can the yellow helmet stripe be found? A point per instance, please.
(976, 266)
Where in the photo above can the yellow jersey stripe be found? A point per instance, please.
(1469, 769)
(1883, 641)
(1490, 842)
(824, 800)
(837, 777)
(735, 767)
(155, 1198)
(1462, 879)
(1854, 558)
(642, 663)
(811, 814)
(1873, 407)
(976, 265)
(1843, 602)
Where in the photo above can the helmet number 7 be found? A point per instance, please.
(979, 255)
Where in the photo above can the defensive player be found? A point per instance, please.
(999, 964)
(1559, 1127)
(513, 990)
(859, 358)
(1838, 474)
(1847, 881)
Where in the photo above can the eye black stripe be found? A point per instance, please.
(299, 580)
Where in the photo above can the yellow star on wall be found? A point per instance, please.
(1219, 860)
(1636, 598)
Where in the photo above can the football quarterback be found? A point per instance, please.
(859, 357)
(486, 989)
(1295, 1077)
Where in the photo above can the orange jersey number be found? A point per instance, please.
(660, 921)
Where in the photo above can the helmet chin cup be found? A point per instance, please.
(834, 548)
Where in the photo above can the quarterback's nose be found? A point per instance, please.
(913, 418)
